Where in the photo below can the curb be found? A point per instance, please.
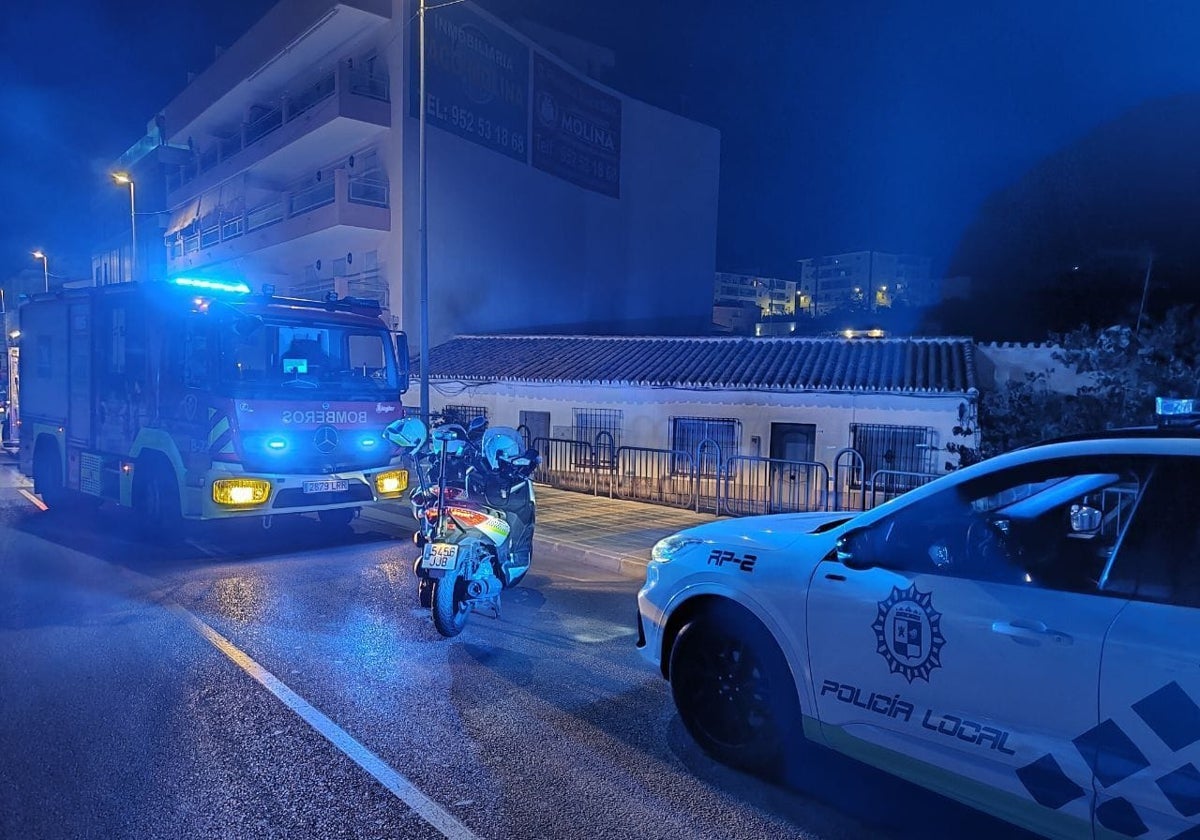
(626, 565)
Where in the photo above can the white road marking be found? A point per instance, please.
(436, 816)
(403, 789)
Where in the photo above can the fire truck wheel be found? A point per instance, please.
(156, 498)
(337, 517)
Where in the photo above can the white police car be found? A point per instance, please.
(1022, 635)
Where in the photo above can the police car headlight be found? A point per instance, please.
(666, 550)
(240, 491)
(391, 482)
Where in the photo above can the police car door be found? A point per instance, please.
(1146, 750)
(936, 639)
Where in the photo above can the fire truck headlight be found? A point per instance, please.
(391, 482)
(240, 491)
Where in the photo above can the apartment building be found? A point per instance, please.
(868, 278)
(770, 295)
(552, 200)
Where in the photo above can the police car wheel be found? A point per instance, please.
(733, 689)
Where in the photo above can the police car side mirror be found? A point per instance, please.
(853, 549)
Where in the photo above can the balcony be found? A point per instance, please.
(343, 108)
(349, 212)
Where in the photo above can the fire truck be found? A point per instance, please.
(196, 399)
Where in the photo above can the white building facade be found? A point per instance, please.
(897, 402)
(552, 200)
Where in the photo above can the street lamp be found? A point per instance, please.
(124, 178)
(38, 255)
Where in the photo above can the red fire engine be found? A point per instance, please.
(196, 399)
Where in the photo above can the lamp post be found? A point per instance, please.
(38, 255)
(424, 217)
(124, 178)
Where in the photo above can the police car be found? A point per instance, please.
(1022, 635)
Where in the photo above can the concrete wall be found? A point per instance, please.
(1001, 362)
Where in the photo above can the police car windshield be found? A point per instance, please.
(302, 360)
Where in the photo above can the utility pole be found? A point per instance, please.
(1145, 291)
(424, 213)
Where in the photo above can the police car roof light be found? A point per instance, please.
(1170, 411)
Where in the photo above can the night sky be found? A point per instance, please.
(845, 125)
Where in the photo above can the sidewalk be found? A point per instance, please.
(608, 533)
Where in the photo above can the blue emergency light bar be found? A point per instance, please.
(212, 285)
(1170, 411)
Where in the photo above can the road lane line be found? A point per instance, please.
(429, 810)
(440, 819)
(38, 502)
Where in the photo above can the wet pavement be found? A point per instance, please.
(612, 534)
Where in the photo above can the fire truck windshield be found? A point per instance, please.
(292, 359)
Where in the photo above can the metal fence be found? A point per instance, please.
(704, 481)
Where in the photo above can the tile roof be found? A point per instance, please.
(933, 365)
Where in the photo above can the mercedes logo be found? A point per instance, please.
(326, 439)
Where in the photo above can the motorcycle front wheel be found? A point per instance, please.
(449, 612)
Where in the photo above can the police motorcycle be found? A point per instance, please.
(476, 511)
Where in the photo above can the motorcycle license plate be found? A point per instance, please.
(327, 485)
(440, 556)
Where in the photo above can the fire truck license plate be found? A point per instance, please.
(327, 485)
(440, 556)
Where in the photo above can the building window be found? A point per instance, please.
(463, 414)
(708, 440)
(601, 428)
(896, 449)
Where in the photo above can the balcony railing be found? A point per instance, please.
(284, 110)
(367, 190)
(226, 224)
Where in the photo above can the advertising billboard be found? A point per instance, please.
(576, 129)
(477, 80)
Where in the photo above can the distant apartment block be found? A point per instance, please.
(770, 295)
(869, 278)
(552, 200)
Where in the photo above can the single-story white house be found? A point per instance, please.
(897, 402)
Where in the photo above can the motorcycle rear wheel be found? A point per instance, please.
(449, 612)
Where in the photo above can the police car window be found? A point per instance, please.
(1054, 525)
(1159, 558)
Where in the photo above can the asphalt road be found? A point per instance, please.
(284, 683)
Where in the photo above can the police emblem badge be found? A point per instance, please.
(909, 633)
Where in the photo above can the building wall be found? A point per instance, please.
(513, 248)
(510, 246)
(647, 412)
(1002, 362)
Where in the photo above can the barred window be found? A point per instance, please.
(601, 428)
(721, 436)
(463, 414)
(897, 449)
